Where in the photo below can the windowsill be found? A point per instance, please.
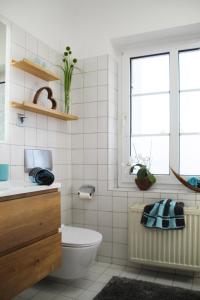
(155, 190)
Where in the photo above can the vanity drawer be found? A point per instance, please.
(26, 220)
(24, 267)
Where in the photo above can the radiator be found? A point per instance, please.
(179, 249)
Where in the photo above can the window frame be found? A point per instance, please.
(153, 48)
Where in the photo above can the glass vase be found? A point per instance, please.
(67, 101)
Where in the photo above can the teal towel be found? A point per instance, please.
(165, 214)
(194, 181)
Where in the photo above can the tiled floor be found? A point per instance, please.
(96, 278)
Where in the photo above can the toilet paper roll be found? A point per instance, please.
(84, 195)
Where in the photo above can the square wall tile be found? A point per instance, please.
(90, 172)
(102, 156)
(102, 109)
(90, 110)
(16, 135)
(90, 217)
(102, 124)
(5, 153)
(17, 155)
(77, 157)
(90, 156)
(120, 251)
(105, 203)
(120, 204)
(90, 94)
(102, 77)
(120, 235)
(90, 141)
(77, 141)
(90, 204)
(17, 173)
(102, 172)
(120, 220)
(77, 81)
(90, 125)
(102, 140)
(77, 127)
(102, 93)
(78, 109)
(105, 218)
(90, 79)
(76, 96)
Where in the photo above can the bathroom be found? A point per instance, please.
(91, 146)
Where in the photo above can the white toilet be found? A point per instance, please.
(79, 249)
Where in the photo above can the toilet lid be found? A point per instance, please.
(79, 237)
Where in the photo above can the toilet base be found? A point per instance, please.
(75, 262)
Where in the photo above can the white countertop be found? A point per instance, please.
(12, 188)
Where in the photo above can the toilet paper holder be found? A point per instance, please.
(86, 191)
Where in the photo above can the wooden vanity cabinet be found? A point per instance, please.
(30, 244)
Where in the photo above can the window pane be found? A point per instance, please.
(189, 64)
(189, 112)
(150, 114)
(189, 154)
(155, 146)
(150, 74)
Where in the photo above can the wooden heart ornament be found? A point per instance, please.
(49, 96)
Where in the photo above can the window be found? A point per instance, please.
(189, 66)
(150, 110)
(161, 112)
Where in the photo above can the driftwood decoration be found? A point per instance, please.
(185, 183)
(50, 95)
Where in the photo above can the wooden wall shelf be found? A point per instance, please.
(35, 69)
(44, 111)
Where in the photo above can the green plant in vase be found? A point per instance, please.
(140, 166)
(144, 178)
(67, 67)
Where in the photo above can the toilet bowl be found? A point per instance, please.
(79, 249)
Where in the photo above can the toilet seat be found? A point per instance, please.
(79, 237)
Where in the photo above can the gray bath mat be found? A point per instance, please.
(130, 289)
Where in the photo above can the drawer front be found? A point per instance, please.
(25, 220)
(22, 268)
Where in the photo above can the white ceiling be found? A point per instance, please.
(89, 25)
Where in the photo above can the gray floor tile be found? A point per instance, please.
(165, 278)
(72, 292)
(29, 293)
(43, 295)
(182, 281)
(87, 295)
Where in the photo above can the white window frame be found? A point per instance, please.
(124, 179)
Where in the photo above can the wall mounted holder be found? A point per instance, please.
(21, 119)
(86, 191)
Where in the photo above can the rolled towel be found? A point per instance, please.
(194, 181)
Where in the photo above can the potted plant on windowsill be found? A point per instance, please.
(144, 178)
(140, 166)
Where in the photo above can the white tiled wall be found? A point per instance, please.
(39, 131)
(94, 156)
